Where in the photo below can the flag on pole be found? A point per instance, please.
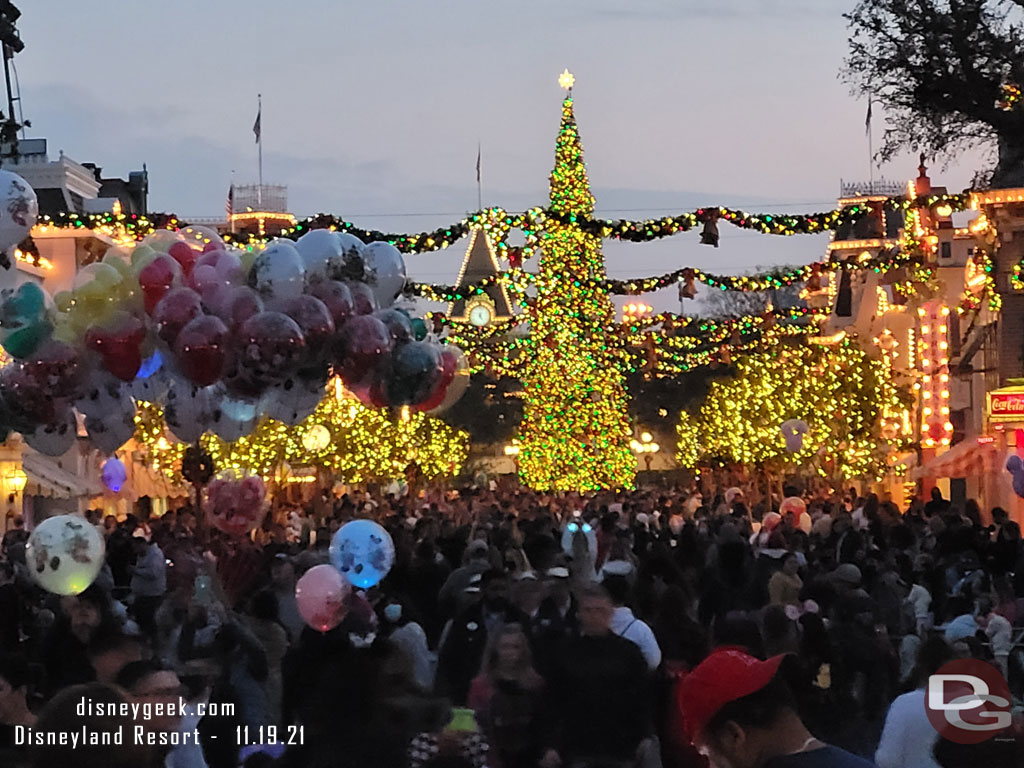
(867, 121)
(229, 206)
(478, 163)
(256, 126)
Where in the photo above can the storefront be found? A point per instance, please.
(1004, 426)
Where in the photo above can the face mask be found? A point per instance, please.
(393, 612)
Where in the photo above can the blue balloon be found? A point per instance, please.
(364, 553)
(150, 365)
(114, 474)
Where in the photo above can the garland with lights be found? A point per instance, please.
(365, 444)
(843, 395)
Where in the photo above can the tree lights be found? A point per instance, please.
(361, 443)
(575, 432)
(839, 391)
(936, 429)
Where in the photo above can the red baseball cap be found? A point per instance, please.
(726, 675)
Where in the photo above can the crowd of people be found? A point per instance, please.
(659, 627)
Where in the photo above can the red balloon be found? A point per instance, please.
(314, 320)
(157, 278)
(120, 346)
(213, 245)
(175, 311)
(364, 343)
(272, 347)
(185, 256)
(201, 348)
(237, 305)
(337, 297)
(362, 298)
(58, 368)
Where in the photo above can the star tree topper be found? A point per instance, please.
(566, 80)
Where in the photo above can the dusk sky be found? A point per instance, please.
(373, 110)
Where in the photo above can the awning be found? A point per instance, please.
(146, 481)
(968, 458)
(45, 478)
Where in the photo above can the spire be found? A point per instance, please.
(570, 188)
(481, 264)
(923, 185)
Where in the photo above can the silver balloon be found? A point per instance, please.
(321, 255)
(19, 209)
(278, 272)
(352, 248)
(385, 272)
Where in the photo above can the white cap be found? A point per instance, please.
(558, 572)
(617, 568)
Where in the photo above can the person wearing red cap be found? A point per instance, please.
(738, 710)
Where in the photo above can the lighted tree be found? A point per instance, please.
(363, 444)
(849, 401)
(575, 431)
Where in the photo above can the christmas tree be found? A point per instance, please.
(575, 432)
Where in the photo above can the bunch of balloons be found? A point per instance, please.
(217, 336)
(362, 553)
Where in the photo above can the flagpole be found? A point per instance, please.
(479, 183)
(259, 142)
(871, 151)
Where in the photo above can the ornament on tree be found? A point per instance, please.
(515, 257)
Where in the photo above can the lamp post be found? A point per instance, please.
(645, 447)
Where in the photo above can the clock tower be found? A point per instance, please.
(480, 264)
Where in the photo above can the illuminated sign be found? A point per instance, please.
(1006, 404)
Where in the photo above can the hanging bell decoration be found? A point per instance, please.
(710, 234)
(688, 288)
(515, 257)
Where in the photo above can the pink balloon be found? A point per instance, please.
(185, 256)
(237, 506)
(321, 596)
(174, 312)
(157, 278)
(236, 304)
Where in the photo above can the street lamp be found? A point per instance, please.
(16, 480)
(645, 447)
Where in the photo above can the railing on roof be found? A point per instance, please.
(876, 187)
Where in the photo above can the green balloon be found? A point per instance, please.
(419, 328)
(24, 320)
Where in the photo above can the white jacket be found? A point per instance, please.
(625, 624)
(908, 738)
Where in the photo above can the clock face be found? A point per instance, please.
(479, 315)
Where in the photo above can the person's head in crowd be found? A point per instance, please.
(508, 655)
(61, 715)
(617, 587)
(790, 564)
(110, 652)
(559, 584)
(263, 606)
(739, 711)
(109, 524)
(596, 610)
(846, 578)
(494, 591)
(477, 553)
(738, 630)
(87, 613)
(151, 682)
(282, 573)
(528, 593)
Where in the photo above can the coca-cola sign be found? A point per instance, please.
(1006, 404)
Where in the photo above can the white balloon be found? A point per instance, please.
(293, 401)
(278, 272)
(234, 419)
(321, 255)
(19, 209)
(104, 394)
(64, 554)
(385, 272)
(113, 429)
(55, 439)
(189, 409)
